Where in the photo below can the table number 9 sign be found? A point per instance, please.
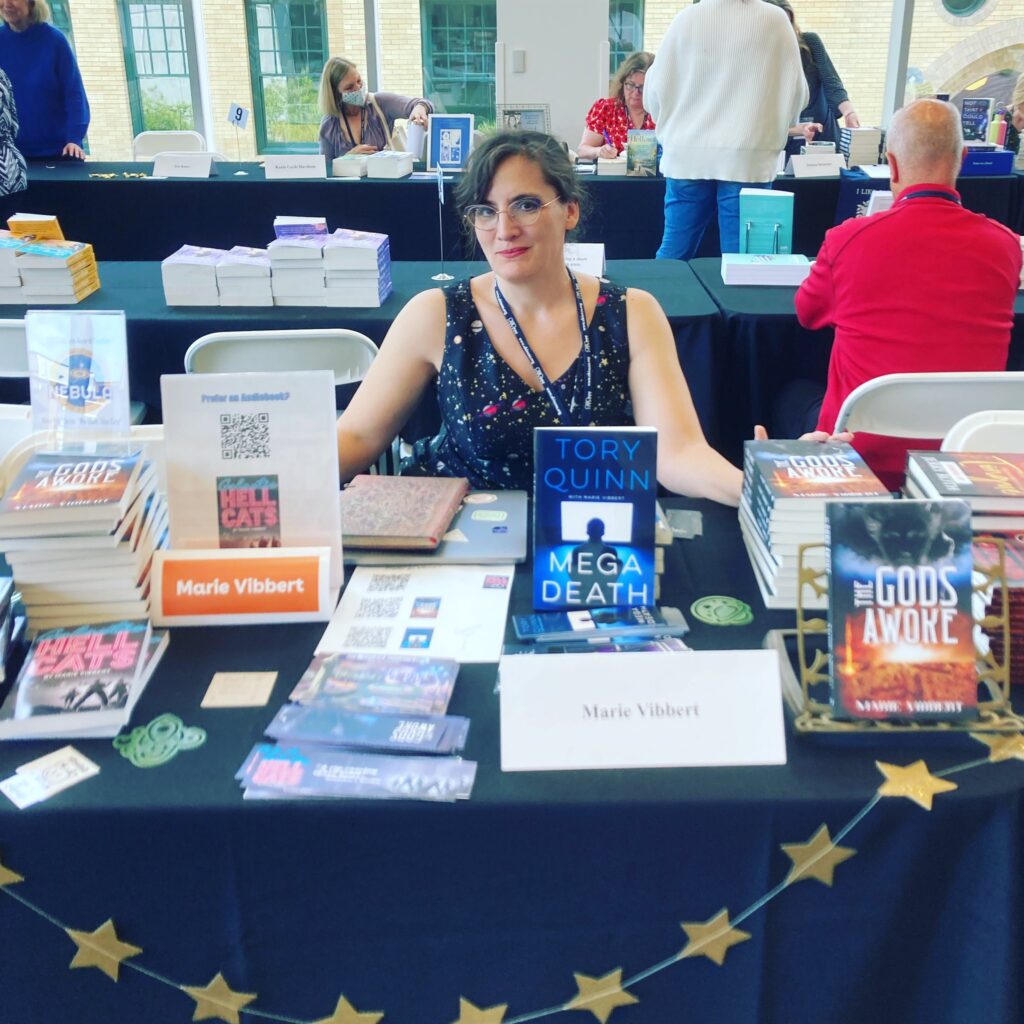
(238, 115)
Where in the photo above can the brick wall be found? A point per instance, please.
(228, 76)
(101, 61)
(401, 48)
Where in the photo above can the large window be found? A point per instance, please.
(458, 55)
(159, 55)
(61, 15)
(625, 30)
(287, 52)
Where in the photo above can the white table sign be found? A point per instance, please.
(182, 165)
(813, 165)
(238, 115)
(304, 165)
(702, 708)
(585, 257)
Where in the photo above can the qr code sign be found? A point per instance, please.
(245, 435)
(385, 583)
(368, 636)
(379, 608)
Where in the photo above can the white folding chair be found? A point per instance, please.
(927, 404)
(147, 145)
(992, 430)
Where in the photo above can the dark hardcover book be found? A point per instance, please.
(603, 623)
(900, 627)
(811, 471)
(249, 511)
(990, 481)
(593, 516)
(975, 114)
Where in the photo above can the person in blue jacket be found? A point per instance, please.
(52, 107)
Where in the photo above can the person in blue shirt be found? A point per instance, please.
(52, 107)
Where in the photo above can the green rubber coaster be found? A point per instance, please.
(151, 745)
(720, 610)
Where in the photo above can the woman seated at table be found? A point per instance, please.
(610, 119)
(528, 345)
(357, 121)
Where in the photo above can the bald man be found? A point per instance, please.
(924, 286)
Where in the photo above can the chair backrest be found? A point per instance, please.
(13, 349)
(927, 404)
(347, 353)
(146, 145)
(992, 430)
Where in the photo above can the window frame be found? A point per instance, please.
(484, 112)
(618, 7)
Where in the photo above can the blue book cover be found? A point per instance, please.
(593, 516)
(600, 624)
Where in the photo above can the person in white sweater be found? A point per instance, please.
(725, 88)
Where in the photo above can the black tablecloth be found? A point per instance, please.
(405, 907)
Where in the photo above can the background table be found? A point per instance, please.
(403, 907)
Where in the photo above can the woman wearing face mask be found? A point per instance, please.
(357, 121)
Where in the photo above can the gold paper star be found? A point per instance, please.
(101, 948)
(9, 877)
(817, 858)
(600, 995)
(346, 1013)
(218, 1000)
(1001, 747)
(712, 938)
(914, 782)
(470, 1014)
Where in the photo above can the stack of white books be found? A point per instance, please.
(614, 166)
(764, 268)
(860, 145)
(10, 275)
(389, 163)
(79, 533)
(351, 165)
(358, 268)
(297, 270)
(190, 276)
(56, 272)
(243, 277)
(286, 226)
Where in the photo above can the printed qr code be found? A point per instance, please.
(368, 636)
(245, 435)
(378, 608)
(385, 583)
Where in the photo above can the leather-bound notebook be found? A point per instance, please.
(399, 511)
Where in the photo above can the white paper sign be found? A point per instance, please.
(813, 165)
(306, 165)
(585, 257)
(653, 710)
(42, 778)
(415, 137)
(182, 165)
(238, 115)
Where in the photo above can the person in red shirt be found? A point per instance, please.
(924, 286)
(610, 119)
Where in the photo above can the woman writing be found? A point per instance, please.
(357, 121)
(610, 119)
(528, 345)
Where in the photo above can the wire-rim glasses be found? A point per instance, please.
(524, 211)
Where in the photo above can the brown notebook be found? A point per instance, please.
(399, 511)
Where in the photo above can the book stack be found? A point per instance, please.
(35, 226)
(297, 270)
(79, 533)
(860, 145)
(788, 270)
(82, 682)
(243, 277)
(57, 272)
(351, 165)
(190, 276)
(389, 163)
(365, 726)
(357, 267)
(405, 512)
(10, 275)
(615, 165)
(992, 483)
(1009, 601)
(786, 485)
(285, 227)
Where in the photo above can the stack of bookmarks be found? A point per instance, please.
(368, 726)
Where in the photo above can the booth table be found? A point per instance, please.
(404, 907)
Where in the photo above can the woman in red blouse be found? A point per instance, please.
(610, 119)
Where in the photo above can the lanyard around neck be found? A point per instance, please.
(568, 417)
(930, 193)
(362, 127)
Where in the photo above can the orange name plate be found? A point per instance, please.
(216, 586)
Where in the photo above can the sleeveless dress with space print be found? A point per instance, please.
(488, 413)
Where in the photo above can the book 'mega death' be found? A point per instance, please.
(900, 625)
(593, 519)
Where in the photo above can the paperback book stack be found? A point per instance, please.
(286, 227)
(357, 268)
(57, 272)
(33, 227)
(79, 533)
(351, 165)
(190, 276)
(860, 145)
(82, 682)
(1008, 602)
(764, 268)
(786, 486)
(10, 275)
(365, 726)
(297, 270)
(615, 165)
(243, 277)
(389, 163)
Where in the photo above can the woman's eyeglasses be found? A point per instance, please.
(633, 87)
(524, 212)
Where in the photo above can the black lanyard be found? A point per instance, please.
(362, 126)
(567, 418)
(930, 193)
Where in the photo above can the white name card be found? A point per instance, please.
(305, 165)
(815, 165)
(182, 165)
(585, 257)
(654, 710)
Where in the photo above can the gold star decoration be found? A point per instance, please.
(914, 782)
(101, 948)
(817, 858)
(218, 1000)
(346, 1013)
(470, 1014)
(600, 995)
(711, 938)
(9, 877)
(1002, 747)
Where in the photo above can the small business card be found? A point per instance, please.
(40, 779)
(239, 690)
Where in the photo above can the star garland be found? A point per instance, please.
(816, 859)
